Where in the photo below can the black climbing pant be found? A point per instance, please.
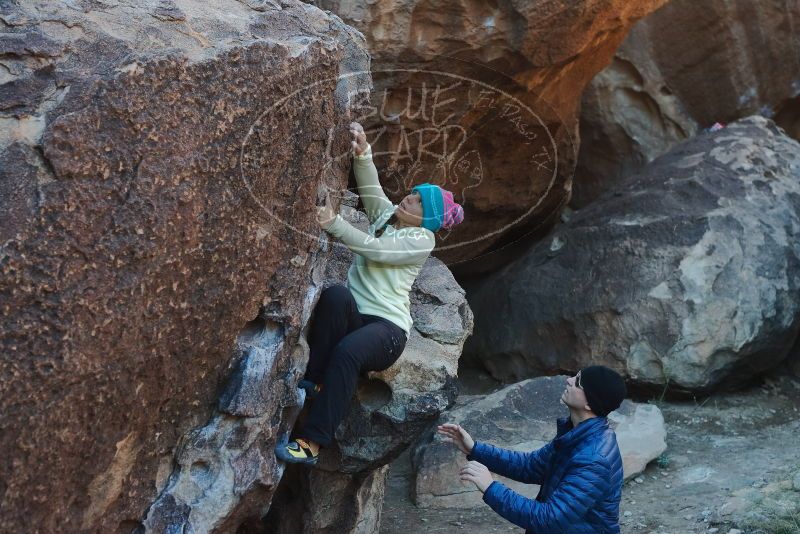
(344, 343)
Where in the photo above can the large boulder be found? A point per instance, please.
(686, 275)
(390, 410)
(482, 98)
(683, 68)
(157, 246)
(522, 417)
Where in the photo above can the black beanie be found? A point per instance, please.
(604, 389)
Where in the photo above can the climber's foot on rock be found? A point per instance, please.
(312, 389)
(298, 451)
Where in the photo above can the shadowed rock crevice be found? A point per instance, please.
(787, 116)
(373, 394)
(323, 502)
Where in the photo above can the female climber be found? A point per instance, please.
(364, 327)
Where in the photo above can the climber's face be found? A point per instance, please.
(409, 211)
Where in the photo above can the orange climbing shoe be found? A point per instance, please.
(296, 452)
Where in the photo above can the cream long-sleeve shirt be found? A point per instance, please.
(385, 267)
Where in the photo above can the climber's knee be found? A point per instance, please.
(334, 297)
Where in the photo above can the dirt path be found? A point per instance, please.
(730, 462)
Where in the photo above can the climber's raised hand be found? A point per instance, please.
(458, 436)
(325, 213)
(359, 141)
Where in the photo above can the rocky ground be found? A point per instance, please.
(733, 462)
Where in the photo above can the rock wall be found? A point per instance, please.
(157, 246)
(482, 98)
(683, 68)
(686, 275)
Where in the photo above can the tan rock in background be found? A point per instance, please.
(683, 68)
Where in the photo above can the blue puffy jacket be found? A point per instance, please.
(580, 473)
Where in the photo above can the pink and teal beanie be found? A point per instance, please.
(439, 210)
